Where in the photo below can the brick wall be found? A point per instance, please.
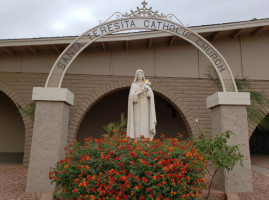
(188, 96)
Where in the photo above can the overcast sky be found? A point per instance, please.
(54, 18)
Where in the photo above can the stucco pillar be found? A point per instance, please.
(228, 112)
(49, 135)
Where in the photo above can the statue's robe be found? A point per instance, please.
(141, 113)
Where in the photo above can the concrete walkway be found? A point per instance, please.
(260, 163)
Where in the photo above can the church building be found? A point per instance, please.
(101, 76)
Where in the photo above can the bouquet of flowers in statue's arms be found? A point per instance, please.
(117, 167)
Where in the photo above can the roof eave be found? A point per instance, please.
(136, 35)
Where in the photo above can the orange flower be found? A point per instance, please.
(75, 190)
(169, 148)
(172, 193)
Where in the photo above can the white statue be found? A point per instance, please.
(141, 108)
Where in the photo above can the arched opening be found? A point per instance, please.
(259, 146)
(11, 132)
(109, 108)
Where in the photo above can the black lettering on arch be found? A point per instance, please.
(126, 22)
(153, 25)
(209, 51)
(66, 60)
(61, 65)
(172, 28)
(103, 29)
(132, 23)
(95, 32)
(213, 56)
(146, 25)
(89, 35)
(70, 54)
(221, 68)
(117, 26)
(159, 22)
(188, 35)
(79, 45)
(109, 28)
(217, 62)
(198, 42)
(165, 26)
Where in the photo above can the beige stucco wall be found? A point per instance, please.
(245, 54)
(230, 49)
(176, 72)
(12, 127)
(255, 57)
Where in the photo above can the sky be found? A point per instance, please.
(57, 18)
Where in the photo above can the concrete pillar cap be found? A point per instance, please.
(228, 98)
(53, 94)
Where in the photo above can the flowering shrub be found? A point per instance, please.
(118, 167)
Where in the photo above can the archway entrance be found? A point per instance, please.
(259, 141)
(259, 146)
(110, 107)
(12, 134)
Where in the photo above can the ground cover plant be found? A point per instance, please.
(117, 167)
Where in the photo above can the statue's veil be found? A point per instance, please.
(139, 70)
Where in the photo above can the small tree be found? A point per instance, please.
(218, 152)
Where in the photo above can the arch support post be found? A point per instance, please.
(49, 135)
(228, 112)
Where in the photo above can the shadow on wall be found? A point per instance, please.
(110, 107)
(11, 131)
(259, 141)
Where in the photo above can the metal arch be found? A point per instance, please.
(163, 19)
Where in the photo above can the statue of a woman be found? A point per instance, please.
(141, 108)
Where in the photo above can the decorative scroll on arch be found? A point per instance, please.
(141, 19)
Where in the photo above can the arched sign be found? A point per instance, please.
(143, 19)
